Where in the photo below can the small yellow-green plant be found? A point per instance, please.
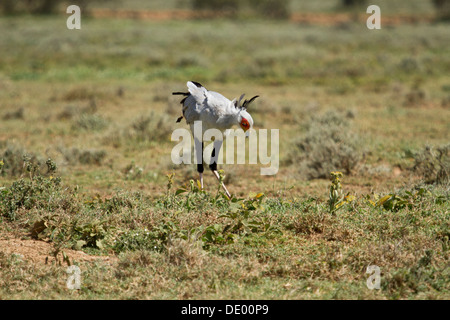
(336, 198)
(169, 181)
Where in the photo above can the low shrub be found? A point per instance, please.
(83, 156)
(329, 145)
(442, 8)
(38, 191)
(433, 164)
(149, 128)
(17, 161)
(90, 122)
(278, 9)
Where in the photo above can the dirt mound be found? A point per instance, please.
(41, 252)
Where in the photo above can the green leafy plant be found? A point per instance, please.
(155, 238)
(216, 234)
(92, 234)
(243, 217)
(398, 201)
(193, 197)
(50, 228)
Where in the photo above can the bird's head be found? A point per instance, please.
(245, 119)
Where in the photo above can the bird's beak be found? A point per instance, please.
(247, 134)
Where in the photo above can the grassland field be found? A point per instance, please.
(98, 103)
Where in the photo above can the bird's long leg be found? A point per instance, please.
(199, 160)
(213, 165)
(200, 174)
(216, 174)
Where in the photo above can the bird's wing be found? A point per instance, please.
(214, 101)
(218, 104)
(216, 108)
(202, 104)
(191, 110)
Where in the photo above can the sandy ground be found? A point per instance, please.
(41, 252)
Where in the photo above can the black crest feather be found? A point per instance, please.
(247, 102)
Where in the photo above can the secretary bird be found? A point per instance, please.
(214, 111)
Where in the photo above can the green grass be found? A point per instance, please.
(277, 52)
(195, 245)
(98, 102)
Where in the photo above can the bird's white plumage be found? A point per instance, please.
(212, 108)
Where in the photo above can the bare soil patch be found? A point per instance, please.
(41, 252)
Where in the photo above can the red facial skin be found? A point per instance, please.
(244, 124)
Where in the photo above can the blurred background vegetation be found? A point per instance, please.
(280, 9)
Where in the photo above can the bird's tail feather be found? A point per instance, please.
(197, 90)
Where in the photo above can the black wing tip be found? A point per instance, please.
(179, 119)
(197, 84)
